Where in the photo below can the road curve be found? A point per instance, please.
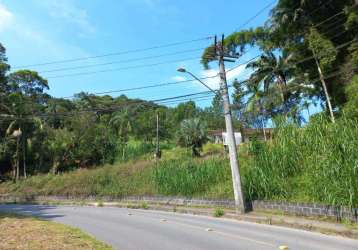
(143, 229)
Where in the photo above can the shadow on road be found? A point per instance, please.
(41, 211)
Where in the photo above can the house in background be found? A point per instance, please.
(248, 134)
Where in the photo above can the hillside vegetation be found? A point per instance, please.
(311, 164)
(303, 84)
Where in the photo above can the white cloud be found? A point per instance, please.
(214, 82)
(178, 78)
(71, 13)
(236, 72)
(6, 18)
(211, 76)
(21, 33)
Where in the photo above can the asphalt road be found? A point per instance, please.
(143, 229)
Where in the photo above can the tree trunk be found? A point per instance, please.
(263, 129)
(124, 152)
(17, 172)
(262, 120)
(323, 81)
(282, 85)
(24, 155)
(14, 162)
(55, 165)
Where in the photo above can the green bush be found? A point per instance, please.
(218, 212)
(144, 205)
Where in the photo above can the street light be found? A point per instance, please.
(183, 70)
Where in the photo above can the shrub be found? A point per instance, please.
(144, 205)
(218, 212)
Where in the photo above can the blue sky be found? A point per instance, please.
(38, 31)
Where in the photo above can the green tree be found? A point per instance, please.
(351, 107)
(272, 72)
(60, 145)
(192, 134)
(121, 122)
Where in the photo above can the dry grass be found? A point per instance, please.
(18, 232)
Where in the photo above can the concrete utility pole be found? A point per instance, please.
(234, 162)
(323, 81)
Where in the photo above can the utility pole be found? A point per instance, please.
(157, 151)
(234, 162)
(323, 81)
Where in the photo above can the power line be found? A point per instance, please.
(168, 100)
(183, 99)
(123, 68)
(302, 60)
(330, 18)
(256, 15)
(144, 87)
(199, 99)
(185, 81)
(327, 20)
(319, 7)
(116, 53)
(116, 107)
(121, 61)
(244, 63)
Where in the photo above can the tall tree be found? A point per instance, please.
(272, 72)
(26, 98)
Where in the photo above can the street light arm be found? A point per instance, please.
(196, 78)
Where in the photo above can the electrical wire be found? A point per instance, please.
(123, 68)
(116, 53)
(145, 87)
(121, 61)
(167, 101)
(255, 16)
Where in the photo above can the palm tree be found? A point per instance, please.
(256, 105)
(273, 72)
(192, 134)
(121, 122)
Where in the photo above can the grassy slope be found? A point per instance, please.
(118, 180)
(137, 178)
(18, 232)
(317, 164)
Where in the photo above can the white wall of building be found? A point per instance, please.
(238, 138)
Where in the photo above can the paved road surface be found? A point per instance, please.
(143, 229)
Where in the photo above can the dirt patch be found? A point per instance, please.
(19, 232)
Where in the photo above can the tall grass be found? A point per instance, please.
(189, 177)
(318, 163)
(136, 150)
